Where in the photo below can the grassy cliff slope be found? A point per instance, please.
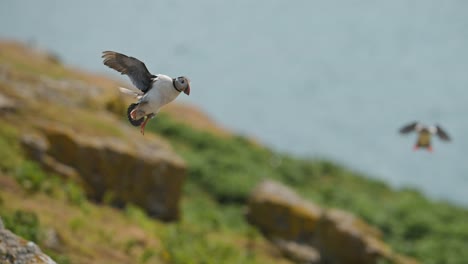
(223, 169)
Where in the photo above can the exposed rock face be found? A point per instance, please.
(342, 236)
(310, 234)
(7, 104)
(279, 212)
(15, 250)
(298, 252)
(145, 173)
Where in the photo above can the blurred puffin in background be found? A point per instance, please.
(424, 134)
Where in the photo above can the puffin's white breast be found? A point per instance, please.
(161, 93)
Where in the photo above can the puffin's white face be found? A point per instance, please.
(432, 129)
(419, 127)
(182, 83)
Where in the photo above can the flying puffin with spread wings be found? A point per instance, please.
(425, 134)
(154, 91)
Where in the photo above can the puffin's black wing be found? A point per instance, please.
(135, 69)
(442, 134)
(408, 128)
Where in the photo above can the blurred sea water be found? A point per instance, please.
(332, 79)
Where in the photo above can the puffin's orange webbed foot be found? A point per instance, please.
(147, 118)
(142, 127)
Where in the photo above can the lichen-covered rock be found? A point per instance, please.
(53, 240)
(299, 253)
(344, 238)
(309, 234)
(15, 250)
(279, 212)
(146, 173)
(36, 147)
(7, 104)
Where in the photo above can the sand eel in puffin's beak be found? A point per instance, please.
(154, 91)
(424, 134)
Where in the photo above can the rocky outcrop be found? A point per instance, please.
(7, 104)
(297, 252)
(281, 213)
(305, 232)
(146, 173)
(342, 236)
(15, 250)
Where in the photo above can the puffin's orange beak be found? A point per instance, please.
(187, 90)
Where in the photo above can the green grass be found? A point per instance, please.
(52, 70)
(228, 169)
(23, 223)
(222, 173)
(208, 233)
(26, 224)
(33, 179)
(9, 148)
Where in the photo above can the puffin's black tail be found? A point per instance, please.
(132, 121)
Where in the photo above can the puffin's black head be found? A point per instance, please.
(182, 84)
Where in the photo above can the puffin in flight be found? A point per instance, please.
(424, 134)
(154, 91)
